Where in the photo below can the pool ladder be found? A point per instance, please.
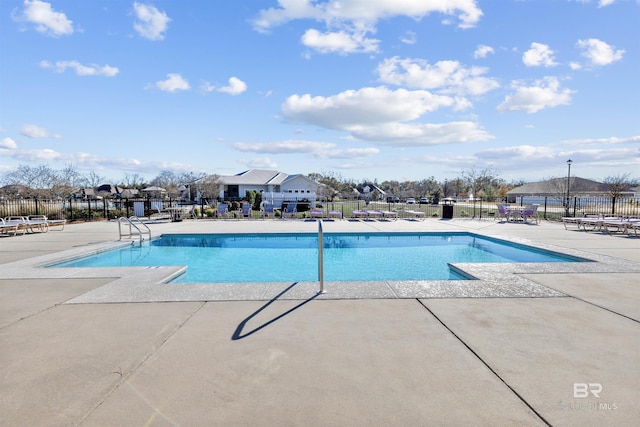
(135, 228)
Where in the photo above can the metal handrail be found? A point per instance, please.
(130, 222)
(320, 257)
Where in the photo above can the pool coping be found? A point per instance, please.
(148, 284)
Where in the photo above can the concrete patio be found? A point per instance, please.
(293, 358)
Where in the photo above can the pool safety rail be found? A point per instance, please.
(133, 227)
(320, 257)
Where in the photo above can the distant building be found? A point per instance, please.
(276, 187)
(556, 189)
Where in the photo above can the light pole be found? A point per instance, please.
(568, 183)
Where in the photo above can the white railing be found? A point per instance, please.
(135, 228)
(320, 257)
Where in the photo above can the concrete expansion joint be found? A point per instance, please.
(124, 376)
(486, 364)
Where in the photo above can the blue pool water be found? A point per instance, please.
(226, 258)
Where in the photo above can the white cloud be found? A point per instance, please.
(543, 156)
(8, 144)
(33, 131)
(384, 116)
(235, 87)
(173, 83)
(604, 3)
(349, 21)
(315, 148)
(447, 77)
(539, 55)
(259, 163)
(545, 93)
(368, 11)
(408, 38)
(151, 23)
(340, 42)
(482, 51)
(603, 141)
(598, 52)
(411, 134)
(81, 70)
(46, 20)
(366, 106)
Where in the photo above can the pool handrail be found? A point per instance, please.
(320, 257)
(130, 222)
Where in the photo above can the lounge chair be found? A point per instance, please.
(6, 228)
(334, 214)
(571, 220)
(373, 214)
(290, 211)
(27, 226)
(359, 214)
(161, 216)
(414, 214)
(223, 211)
(621, 226)
(50, 222)
(389, 214)
(316, 213)
(246, 210)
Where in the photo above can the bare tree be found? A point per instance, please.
(93, 180)
(618, 184)
(132, 180)
(38, 181)
(209, 187)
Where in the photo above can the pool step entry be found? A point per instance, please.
(133, 227)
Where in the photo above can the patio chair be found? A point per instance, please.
(529, 211)
(246, 210)
(268, 210)
(223, 211)
(504, 211)
(290, 211)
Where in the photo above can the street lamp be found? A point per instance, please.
(568, 183)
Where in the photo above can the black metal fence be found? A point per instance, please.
(82, 210)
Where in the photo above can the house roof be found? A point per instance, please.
(556, 185)
(259, 177)
(362, 188)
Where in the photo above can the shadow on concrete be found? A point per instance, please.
(238, 334)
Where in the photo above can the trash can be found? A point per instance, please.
(447, 208)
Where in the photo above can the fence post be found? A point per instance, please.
(545, 207)
(613, 205)
(37, 206)
(575, 204)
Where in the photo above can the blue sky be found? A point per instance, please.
(364, 89)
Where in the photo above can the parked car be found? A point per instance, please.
(411, 201)
(393, 199)
(424, 200)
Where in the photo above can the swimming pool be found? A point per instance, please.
(286, 257)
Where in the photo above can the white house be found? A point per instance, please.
(276, 187)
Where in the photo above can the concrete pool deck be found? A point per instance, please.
(307, 360)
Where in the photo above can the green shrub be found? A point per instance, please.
(464, 214)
